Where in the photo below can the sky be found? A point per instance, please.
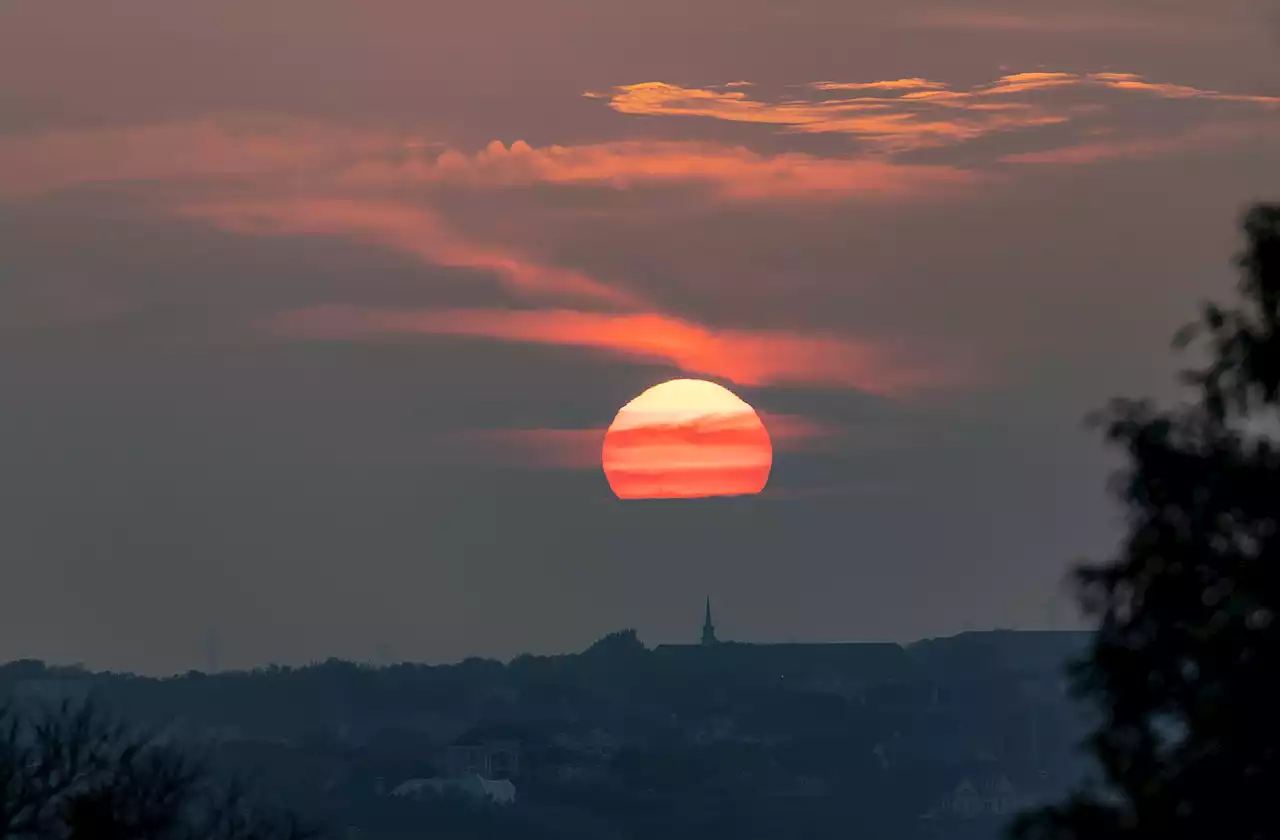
(313, 312)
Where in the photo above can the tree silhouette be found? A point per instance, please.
(1185, 664)
(69, 772)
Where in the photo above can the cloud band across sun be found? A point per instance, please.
(580, 449)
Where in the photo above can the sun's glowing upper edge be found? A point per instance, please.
(681, 399)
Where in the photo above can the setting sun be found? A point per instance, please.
(686, 438)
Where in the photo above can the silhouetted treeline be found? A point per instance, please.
(620, 740)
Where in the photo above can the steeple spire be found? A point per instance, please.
(708, 629)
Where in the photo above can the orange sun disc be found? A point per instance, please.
(687, 438)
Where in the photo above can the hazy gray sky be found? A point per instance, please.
(311, 311)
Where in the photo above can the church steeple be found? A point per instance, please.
(708, 629)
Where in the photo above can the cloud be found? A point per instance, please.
(889, 117)
(731, 172)
(279, 176)
(412, 229)
(901, 115)
(785, 432)
(913, 84)
(1134, 82)
(894, 123)
(243, 180)
(1022, 83)
(745, 357)
(637, 333)
(580, 449)
(284, 152)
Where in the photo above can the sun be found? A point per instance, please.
(684, 439)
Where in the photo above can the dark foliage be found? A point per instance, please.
(71, 773)
(1185, 664)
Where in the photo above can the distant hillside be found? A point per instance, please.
(1037, 651)
(881, 740)
(617, 675)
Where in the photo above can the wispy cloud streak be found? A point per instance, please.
(410, 229)
(746, 357)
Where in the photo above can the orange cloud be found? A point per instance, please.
(869, 118)
(1134, 82)
(409, 229)
(913, 84)
(1023, 82)
(732, 172)
(727, 431)
(746, 357)
(891, 116)
(742, 356)
(274, 151)
(661, 98)
(905, 114)
(895, 123)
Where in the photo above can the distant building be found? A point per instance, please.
(489, 754)
(495, 791)
(983, 796)
(708, 629)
